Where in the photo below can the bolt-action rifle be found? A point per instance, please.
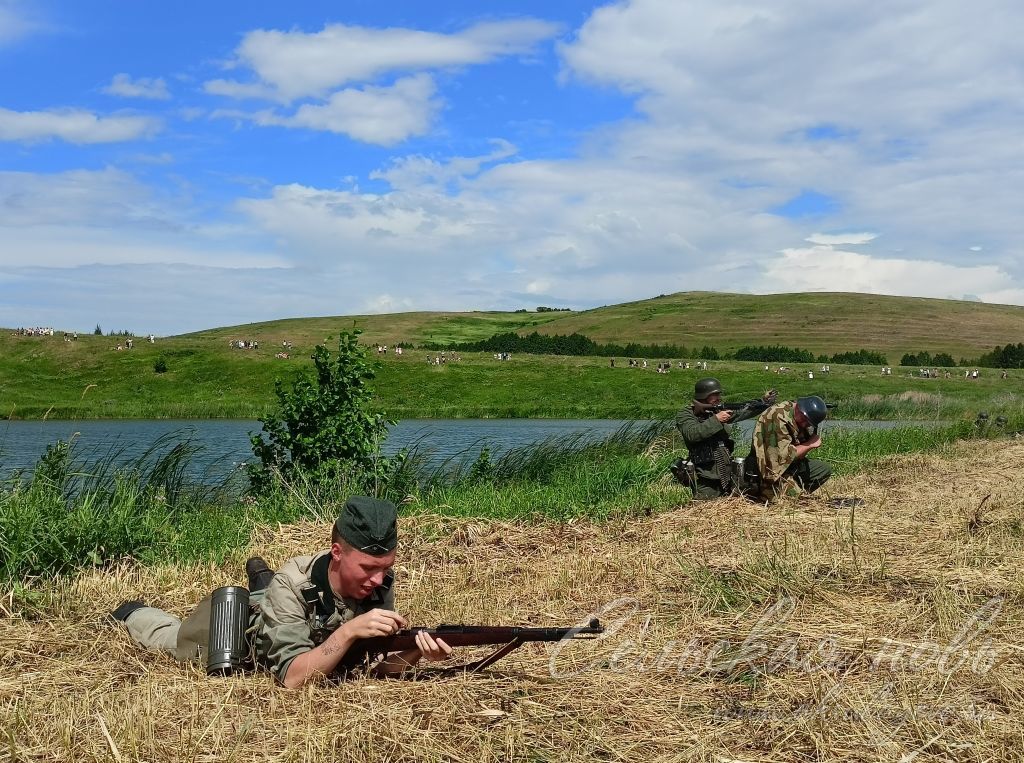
(365, 651)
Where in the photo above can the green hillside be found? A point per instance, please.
(207, 377)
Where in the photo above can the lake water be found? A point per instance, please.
(225, 442)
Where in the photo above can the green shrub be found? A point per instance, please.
(323, 428)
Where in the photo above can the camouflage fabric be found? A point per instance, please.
(774, 453)
(775, 438)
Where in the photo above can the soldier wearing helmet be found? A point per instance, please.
(707, 434)
(784, 435)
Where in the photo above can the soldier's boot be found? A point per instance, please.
(126, 608)
(259, 573)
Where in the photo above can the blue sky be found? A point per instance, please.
(167, 167)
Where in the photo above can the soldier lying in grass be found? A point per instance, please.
(305, 618)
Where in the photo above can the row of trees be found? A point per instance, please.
(1011, 356)
(574, 344)
(942, 359)
(579, 344)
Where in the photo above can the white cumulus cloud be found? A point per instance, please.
(848, 239)
(143, 87)
(298, 64)
(824, 268)
(379, 115)
(73, 126)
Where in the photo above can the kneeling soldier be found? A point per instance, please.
(783, 436)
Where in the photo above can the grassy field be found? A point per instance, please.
(47, 377)
(735, 633)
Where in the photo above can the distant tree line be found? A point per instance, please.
(1010, 356)
(579, 344)
(942, 359)
(860, 358)
(571, 344)
(774, 354)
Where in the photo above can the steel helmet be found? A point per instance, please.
(704, 388)
(814, 408)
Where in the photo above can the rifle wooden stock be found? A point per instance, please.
(366, 650)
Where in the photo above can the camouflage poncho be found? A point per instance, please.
(775, 438)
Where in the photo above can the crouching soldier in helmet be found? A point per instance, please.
(303, 619)
(705, 429)
(784, 435)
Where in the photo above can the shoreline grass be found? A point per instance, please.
(63, 518)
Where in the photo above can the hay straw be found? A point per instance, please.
(887, 587)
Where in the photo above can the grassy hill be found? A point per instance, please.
(48, 377)
(820, 322)
(823, 322)
(389, 328)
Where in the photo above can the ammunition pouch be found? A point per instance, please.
(704, 454)
(228, 649)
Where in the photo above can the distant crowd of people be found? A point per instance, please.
(34, 331)
(663, 367)
(442, 358)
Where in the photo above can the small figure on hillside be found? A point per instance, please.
(783, 437)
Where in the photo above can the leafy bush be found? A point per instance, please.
(323, 428)
(160, 365)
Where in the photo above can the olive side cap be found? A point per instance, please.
(369, 525)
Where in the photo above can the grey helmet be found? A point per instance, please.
(814, 408)
(704, 388)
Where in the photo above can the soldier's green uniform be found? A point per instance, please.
(281, 623)
(773, 455)
(703, 433)
(283, 628)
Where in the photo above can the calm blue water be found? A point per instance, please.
(226, 442)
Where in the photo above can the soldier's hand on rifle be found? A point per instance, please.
(376, 622)
(770, 395)
(724, 416)
(431, 648)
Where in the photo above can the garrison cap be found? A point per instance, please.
(369, 525)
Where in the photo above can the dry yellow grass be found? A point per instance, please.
(854, 628)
